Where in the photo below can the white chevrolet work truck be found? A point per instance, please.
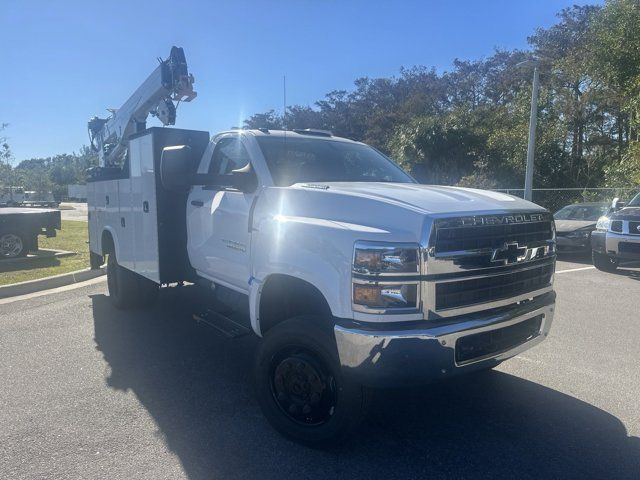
(353, 275)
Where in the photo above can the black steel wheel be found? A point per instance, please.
(303, 386)
(300, 384)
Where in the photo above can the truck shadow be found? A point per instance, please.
(196, 386)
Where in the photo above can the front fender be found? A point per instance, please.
(314, 250)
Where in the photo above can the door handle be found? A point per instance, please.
(197, 203)
(145, 206)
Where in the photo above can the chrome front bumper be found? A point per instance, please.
(386, 356)
(613, 241)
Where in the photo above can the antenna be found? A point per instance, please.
(284, 113)
(284, 102)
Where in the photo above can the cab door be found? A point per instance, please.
(218, 219)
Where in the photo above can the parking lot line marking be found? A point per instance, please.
(576, 269)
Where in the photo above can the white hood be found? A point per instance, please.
(427, 199)
(394, 210)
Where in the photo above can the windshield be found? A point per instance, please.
(310, 160)
(635, 202)
(581, 212)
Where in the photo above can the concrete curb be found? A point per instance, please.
(42, 254)
(31, 286)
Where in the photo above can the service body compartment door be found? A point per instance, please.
(144, 210)
(94, 232)
(104, 212)
(124, 226)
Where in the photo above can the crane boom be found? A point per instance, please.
(170, 82)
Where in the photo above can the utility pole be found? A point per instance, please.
(533, 118)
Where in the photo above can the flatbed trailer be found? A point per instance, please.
(20, 228)
(32, 204)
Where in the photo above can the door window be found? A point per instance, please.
(228, 155)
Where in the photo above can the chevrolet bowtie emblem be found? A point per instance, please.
(509, 253)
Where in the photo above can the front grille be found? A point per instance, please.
(483, 261)
(627, 247)
(492, 343)
(463, 293)
(616, 226)
(634, 228)
(457, 238)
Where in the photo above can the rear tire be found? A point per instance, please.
(604, 262)
(13, 244)
(300, 386)
(126, 288)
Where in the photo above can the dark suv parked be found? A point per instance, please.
(617, 235)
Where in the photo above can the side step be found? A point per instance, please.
(223, 324)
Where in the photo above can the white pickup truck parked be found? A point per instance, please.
(354, 275)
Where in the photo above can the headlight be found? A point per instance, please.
(380, 259)
(376, 266)
(603, 223)
(380, 296)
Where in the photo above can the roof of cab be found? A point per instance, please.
(263, 132)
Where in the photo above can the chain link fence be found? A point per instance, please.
(556, 198)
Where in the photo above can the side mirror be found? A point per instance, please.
(616, 204)
(176, 167)
(244, 179)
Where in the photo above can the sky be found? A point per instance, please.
(65, 61)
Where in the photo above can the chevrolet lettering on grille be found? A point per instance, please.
(503, 219)
(497, 220)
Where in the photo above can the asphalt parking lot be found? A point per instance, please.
(87, 391)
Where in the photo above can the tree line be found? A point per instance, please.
(469, 126)
(49, 174)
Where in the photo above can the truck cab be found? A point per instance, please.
(354, 275)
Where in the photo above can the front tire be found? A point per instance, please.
(604, 262)
(126, 288)
(300, 386)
